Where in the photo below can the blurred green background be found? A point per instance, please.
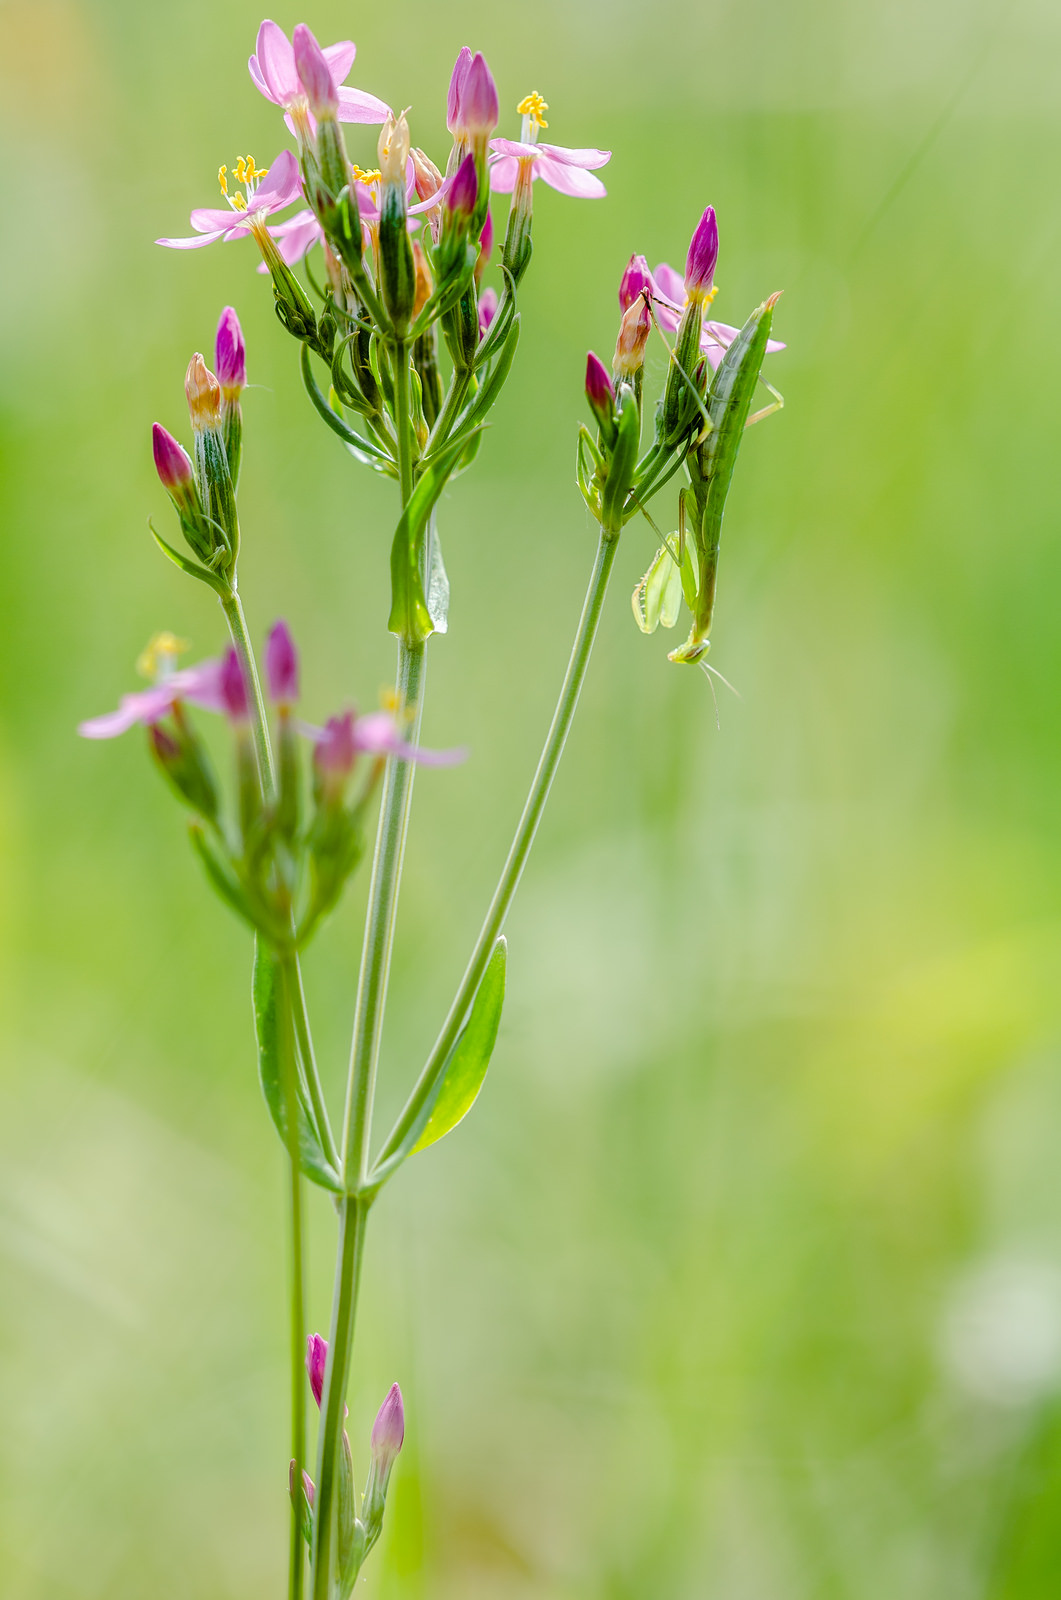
(744, 1280)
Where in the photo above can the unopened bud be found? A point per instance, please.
(281, 665)
(394, 151)
(633, 337)
(336, 749)
(456, 90)
(233, 688)
(183, 761)
(309, 1488)
(426, 176)
(479, 107)
(635, 281)
(388, 1430)
(230, 355)
(486, 247)
(203, 393)
(464, 191)
(314, 73)
(600, 394)
(703, 257)
(172, 463)
(316, 1361)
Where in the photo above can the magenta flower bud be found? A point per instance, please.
(599, 391)
(703, 256)
(172, 462)
(316, 1360)
(464, 190)
(635, 280)
(314, 73)
(456, 90)
(230, 355)
(480, 110)
(309, 1488)
(233, 688)
(486, 241)
(281, 665)
(487, 310)
(388, 1430)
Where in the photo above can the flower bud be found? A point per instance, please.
(394, 151)
(456, 90)
(230, 356)
(316, 1360)
(486, 247)
(281, 665)
(424, 285)
(172, 463)
(600, 394)
(203, 394)
(336, 749)
(388, 1430)
(703, 256)
(633, 337)
(463, 192)
(233, 688)
(479, 107)
(314, 73)
(309, 1488)
(183, 761)
(635, 281)
(426, 176)
(487, 310)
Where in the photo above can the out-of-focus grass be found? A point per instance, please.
(743, 1280)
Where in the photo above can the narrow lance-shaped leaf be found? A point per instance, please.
(410, 617)
(471, 1055)
(273, 1029)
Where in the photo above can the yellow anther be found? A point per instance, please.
(239, 201)
(241, 170)
(360, 176)
(710, 295)
(222, 178)
(532, 105)
(250, 169)
(159, 656)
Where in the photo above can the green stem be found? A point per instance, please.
(298, 1291)
(517, 855)
(300, 1017)
(376, 950)
(458, 388)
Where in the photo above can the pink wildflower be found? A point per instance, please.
(487, 309)
(265, 192)
(275, 73)
(569, 171)
(388, 1430)
(669, 299)
(281, 665)
(235, 701)
(200, 685)
(344, 738)
(316, 1360)
(230, 355)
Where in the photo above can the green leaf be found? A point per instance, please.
(410, 617)
(471, 1055)
(362, 448)
(192, 568)
(272, 1025)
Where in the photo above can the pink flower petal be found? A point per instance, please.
(576, 158)
(195, 243)
(295, 237)
(513, 147)
(569, 180)
(503, 173)
(281, 186)
(276, 63)
(356, 105)
(340, 58)
(671, 284)
(208, 219)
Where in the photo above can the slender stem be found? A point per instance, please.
(458, 388)
(376, 950)
(263, 750)
(298, 1291)
(517, 855)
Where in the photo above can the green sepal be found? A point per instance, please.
(448, 292)
(465, 1071)
(273, 1030)
(219, 586)
(410, 616)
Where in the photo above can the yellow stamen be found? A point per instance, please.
(222, 178)
(532, 105)
(238, 201)
(159, 655)
(360, 176)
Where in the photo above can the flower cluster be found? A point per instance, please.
(705, 406)
(282, 857)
